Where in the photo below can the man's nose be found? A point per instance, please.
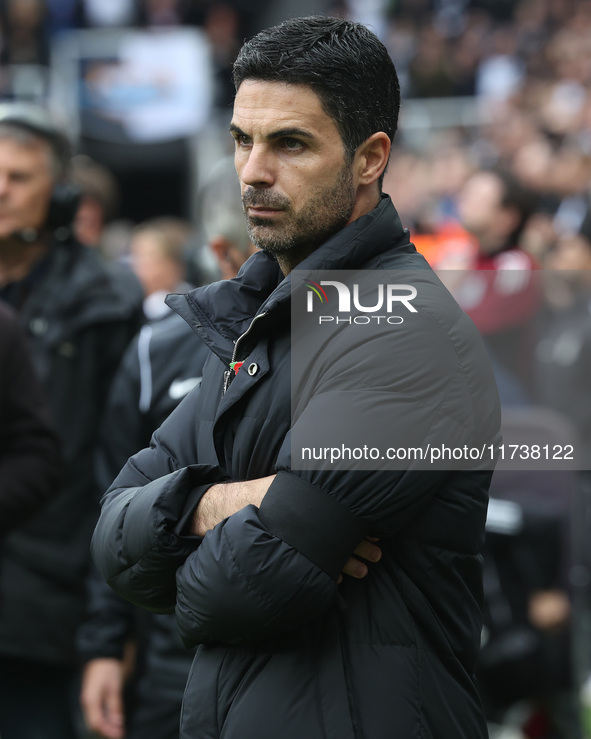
(257, 169)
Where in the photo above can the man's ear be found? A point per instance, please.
(372, 157)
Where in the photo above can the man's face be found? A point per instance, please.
(26, 184)
(297, 184)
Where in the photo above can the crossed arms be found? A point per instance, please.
(223, 500)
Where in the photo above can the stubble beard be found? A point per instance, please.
(326, 212)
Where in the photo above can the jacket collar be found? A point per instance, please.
(222, 311)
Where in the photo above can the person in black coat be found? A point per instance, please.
(305, 625)
(78, 317)
(30, 453)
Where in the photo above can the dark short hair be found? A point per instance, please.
(345, 64)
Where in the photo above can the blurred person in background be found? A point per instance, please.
(530, 660)
(78, 323)
(99, 202)
(222, 26)
(497, 284)
(526, 664)
(431, 69)
(160, 367)
(222, 219)
(427, 189)
(568, 180)
(562, 358)
(26, 40)
(528, 601)
(30, 473)
(500, 73)
(94, 223)
(158, 257)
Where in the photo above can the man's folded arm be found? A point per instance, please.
(138, 542)
(141, 537)
(265, 571)
(246, 583)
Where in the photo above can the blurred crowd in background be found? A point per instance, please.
(484, 82)
(490, 172)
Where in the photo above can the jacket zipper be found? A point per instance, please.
(228, 374)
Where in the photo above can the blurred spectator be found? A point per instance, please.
(500, 74)
(24, 23)
(427, 184)
(431, 70)
(401, 43)
(571, 174)
(407, 180)
(99, 201)
(158, 258)
(466, 59)
(222, 218)
(159, 369)
(78, 324)
(222, 26)
(526, 656)
(499, 289)
(563, 352)
(30, 461)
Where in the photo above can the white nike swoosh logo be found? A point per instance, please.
(180, 388)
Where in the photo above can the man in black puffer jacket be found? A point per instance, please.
(272, 565)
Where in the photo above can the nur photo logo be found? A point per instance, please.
(359, 304)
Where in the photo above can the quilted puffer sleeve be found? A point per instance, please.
(247, 584)
(262, 572)
(139, 540)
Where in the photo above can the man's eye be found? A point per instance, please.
(241, 139)
(292, 144)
